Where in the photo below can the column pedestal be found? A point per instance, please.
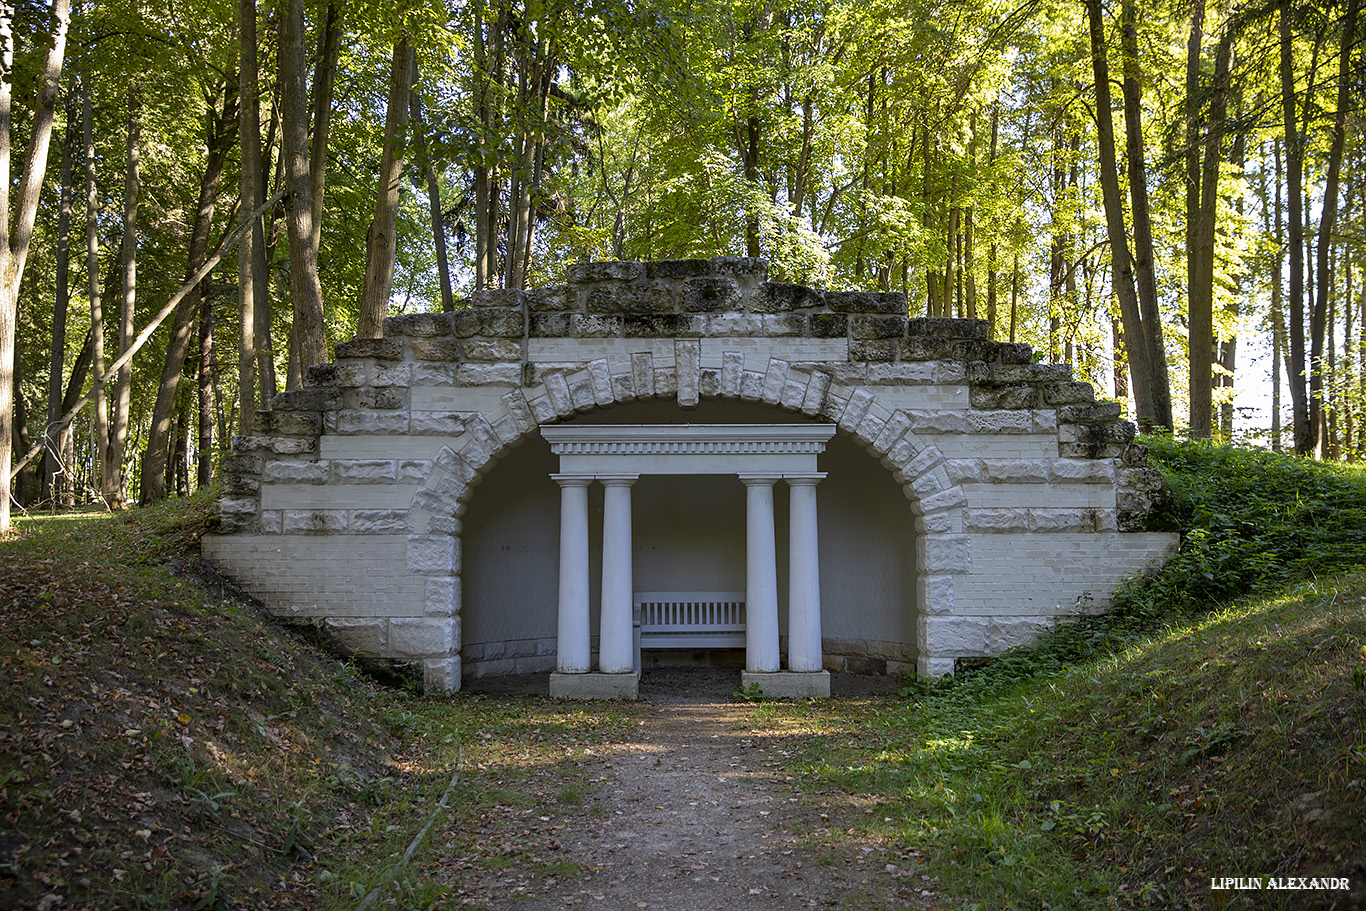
(788, 684)
(595, 685)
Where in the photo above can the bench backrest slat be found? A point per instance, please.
(690, 611)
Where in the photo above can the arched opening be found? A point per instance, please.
(689, 534)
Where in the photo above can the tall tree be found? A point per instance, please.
(1296, 373)
(305, 289)
(1149, 323)
(220, 131)
(1323, 283)
(17, 215)
(1201, 222)
(251, 255)
(1148, 397)
(62, 299)
(117, 490)
(381, 240)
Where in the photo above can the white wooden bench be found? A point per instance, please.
(688, 620)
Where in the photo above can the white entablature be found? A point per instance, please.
(772, 450)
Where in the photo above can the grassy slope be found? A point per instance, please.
(1133, 757)
(163, 745)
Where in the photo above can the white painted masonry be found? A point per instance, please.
(1024, 499)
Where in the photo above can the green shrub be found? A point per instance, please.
(1251, 522)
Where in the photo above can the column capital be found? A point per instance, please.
(572, 480)
(618, 480)
(804, 480)
(757, 480)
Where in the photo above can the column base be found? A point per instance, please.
(788, 684)
(932, 666)
(594, 685)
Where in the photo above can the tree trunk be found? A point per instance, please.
(1294, 167)
(304, 286)
(218, 141)
(1277, 303)
(1350, 405)
(1318, 322)
(24, 486)
(992, 251)
(205, 437)
(1149, 328)
(1121, 264)
(178, 474)
(62, 300)
(1121, 368)
(1200, 233)
(117, 494)
(488, 69)
(262, 255)
(65, 490)
(324, 78)
(381, 240)
(934, 305)
(1326, 446)
(252, 186)
(16, 224)
(1192, 148)
(434, 209)
(1014, 295)
(94, 293)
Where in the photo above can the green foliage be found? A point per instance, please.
(751, 692)
(1253, 520)
(1133, 755)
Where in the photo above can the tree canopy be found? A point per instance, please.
(1132, 186)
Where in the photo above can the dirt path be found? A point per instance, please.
(690, 810)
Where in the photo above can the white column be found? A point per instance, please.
(804, 578)
(615, 653)
(761, 577)
(574, 653)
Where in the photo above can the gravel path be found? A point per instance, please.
(692, 811)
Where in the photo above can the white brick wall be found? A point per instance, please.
(316, 576)
(1043, 575)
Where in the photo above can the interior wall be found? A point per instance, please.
(688, 535)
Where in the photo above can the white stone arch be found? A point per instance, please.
(935, 500)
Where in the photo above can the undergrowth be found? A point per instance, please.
(1211, 724)
(1252, 522)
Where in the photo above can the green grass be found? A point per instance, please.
(1230, 745)
(1212, 724)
